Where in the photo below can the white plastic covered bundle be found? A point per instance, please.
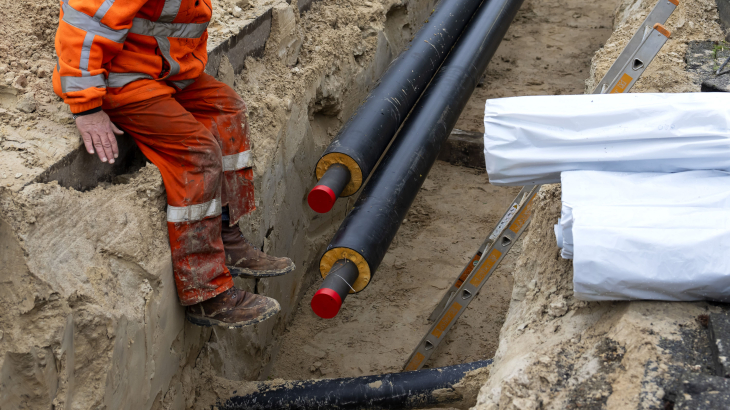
(647, 235)
(531, 140)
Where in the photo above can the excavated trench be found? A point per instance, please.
(302, 67)
(547, 51)
(553, 47)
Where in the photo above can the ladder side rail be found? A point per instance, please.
(474, 261)
(640, 60)
(473, 284)
(659, 14)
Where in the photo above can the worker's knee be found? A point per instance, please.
(228, 100)
(224, 98)
(233, 101)
(209, 155)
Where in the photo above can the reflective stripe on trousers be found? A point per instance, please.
(211, 208)
(237, 161)
(191, 136)
(193, 213)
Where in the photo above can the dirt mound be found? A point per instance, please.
(556, 352)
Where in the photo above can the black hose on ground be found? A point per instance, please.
(410, 390)
(362, 141)
(368, 230)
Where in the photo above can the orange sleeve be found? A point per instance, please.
(90, 34)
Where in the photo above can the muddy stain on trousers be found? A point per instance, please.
(199, 139)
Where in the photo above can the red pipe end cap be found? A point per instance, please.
(321, 199)
(326, 303)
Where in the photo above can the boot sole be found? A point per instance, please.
(209, 322)
(250, 273)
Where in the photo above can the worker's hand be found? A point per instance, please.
(98, 132)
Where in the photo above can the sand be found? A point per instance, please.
(91, 317)
(378, 328)
(556, 352)
(547, 51)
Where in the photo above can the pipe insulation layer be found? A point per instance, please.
(368, 230)
(362, 141)
(410, 390)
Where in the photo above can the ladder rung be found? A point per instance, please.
(460, 299)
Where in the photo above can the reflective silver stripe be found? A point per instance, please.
(163, 29)
(85, 54)
(70, 84)
(237, 161)
(146, 27)
(164, 45)
(91, 25)
(182, 83)
(119, 80)
(169, 11)
(89, 38)
(194, 213)
(101, 12)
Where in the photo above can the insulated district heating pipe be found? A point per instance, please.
(364, 138)
(366, 233)
(410, 390)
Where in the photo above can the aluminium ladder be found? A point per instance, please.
(628, 67)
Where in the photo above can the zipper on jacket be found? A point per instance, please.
(165, 66)
(196, 57)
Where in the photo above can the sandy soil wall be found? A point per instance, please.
(547, 50)
(90, 314)
(556, 352)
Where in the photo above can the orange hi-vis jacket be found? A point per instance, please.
(104, 46)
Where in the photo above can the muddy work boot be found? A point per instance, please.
(244, 259)
(233, 308)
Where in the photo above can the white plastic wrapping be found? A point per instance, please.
(647, 235)
(531, 140)
(565, 226)
(704, 189)
(666, 253)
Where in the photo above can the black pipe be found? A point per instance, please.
(327, 301)
(373, 222)
(362, 141)
(410, 390)
(323, 196)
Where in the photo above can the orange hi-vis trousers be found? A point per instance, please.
(198, 138)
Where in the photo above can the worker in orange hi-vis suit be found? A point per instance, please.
(138, 65)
